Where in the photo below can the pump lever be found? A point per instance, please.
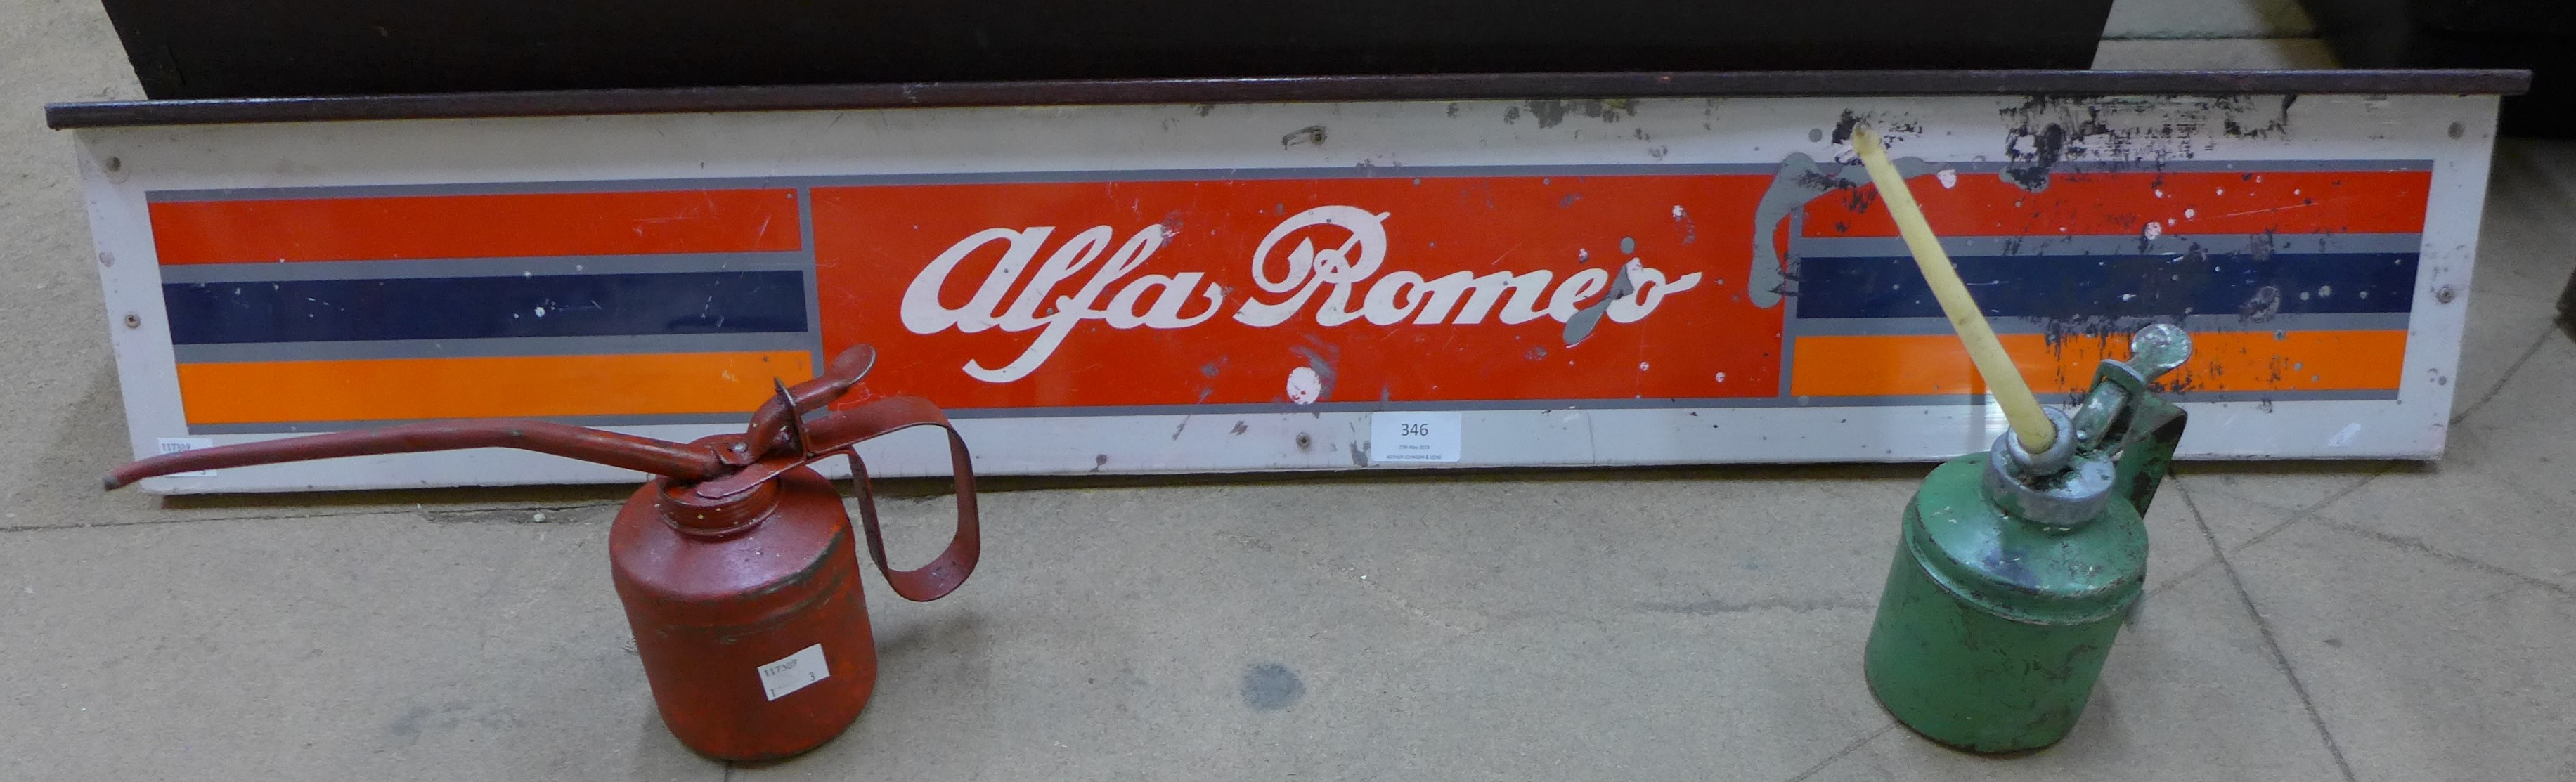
(2117, 411)
(684, 462)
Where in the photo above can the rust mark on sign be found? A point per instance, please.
(1551, 113)
(1802, 179)
(1311, 135)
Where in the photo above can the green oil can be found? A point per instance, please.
(2015, 570)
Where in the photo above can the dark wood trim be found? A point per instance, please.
(1516, 86)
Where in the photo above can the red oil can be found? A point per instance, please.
(735, 565)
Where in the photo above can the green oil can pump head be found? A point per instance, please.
(2014, 569)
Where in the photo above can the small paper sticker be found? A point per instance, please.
(793, 672)
(177, 444)
(1413, 437)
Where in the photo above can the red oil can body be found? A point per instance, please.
(730, 626)
(738, 566)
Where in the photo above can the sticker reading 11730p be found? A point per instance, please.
(794, 672)
(178, 444)
(1413, 437)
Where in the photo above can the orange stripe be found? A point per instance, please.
(2290, 202)
(474, 226)
(263, 392)
(2221, 361)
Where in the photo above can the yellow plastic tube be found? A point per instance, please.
(2021, 408)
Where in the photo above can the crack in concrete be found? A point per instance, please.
(2311, 511)
(2303, 514)
(2186, 576)
(1854, 747)
(2264, 626)
(532, 515)
(43, 527)
(1716, 607)
(2420, 547)
(2510, 370)
(157, 522)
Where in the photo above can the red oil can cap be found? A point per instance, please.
(798, 551)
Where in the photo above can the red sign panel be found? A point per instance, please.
(1299, 290)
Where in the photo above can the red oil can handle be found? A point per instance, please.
(840, 430)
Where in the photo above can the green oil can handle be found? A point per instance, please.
(2123, 413)
(2143, 467)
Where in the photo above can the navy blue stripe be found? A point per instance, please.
(582, 305)
(2115, 286)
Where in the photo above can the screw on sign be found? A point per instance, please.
(749, 657)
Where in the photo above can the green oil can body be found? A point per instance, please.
(1993, 628)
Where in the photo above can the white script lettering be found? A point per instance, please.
(1348, 268)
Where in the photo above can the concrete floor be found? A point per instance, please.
(2372, 621)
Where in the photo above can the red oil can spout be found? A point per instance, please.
(684, 462)
(777, 434)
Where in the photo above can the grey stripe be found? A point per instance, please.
(1596, 404)
(576, 420)
(1788, 289)
(1828, 247)
(1951, 400)
(498, 346)
(961, 178)
(2197, 324)
(467, 188)
(545, 266)
(1935, 400)
(2356, 395)
(1980, 400)
(2194, 166)
(1210, 174)
(813, 342)
(2168, 244)
(1535, 405)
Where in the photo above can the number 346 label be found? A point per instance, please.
(793, 672)
(1413, 437)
